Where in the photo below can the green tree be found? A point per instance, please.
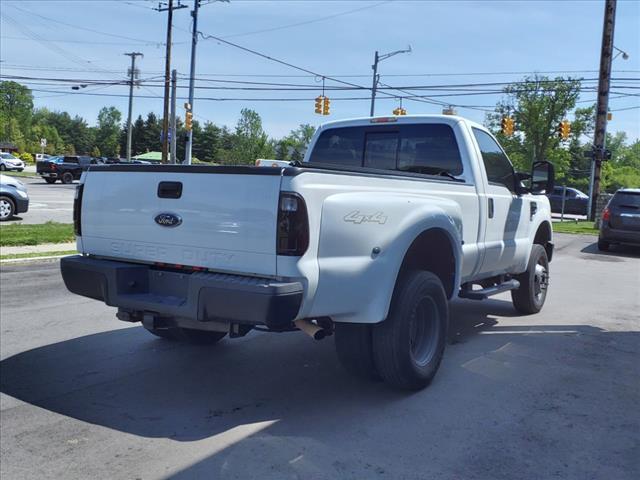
(16, 110)
(537, 104)
(108, 131)
(294, 145)
(249, 140)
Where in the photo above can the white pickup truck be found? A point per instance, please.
(384, 221)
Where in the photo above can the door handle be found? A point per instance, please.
(170, 189)
(491, 208)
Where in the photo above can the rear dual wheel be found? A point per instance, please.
(404, 350)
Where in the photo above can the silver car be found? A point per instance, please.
(9, 162)
(13, 197)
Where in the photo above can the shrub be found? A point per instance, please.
(26, 158)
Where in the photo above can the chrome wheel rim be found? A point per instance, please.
(5, 209)
(424, 328)
(540, 281)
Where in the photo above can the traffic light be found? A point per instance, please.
(399, 111)
(326, 103)
(564, 129)
(507, 126)
(188, 120)
(319, 101)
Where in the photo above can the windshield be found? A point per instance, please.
(7, 156)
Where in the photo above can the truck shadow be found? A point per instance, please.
(128, 381)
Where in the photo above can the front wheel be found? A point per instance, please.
(7, 208)
(408, 346)
(534, 283)
(2, 167)
(603, 245)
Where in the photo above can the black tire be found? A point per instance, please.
(603, 245)
(7, 208)
(2, 167)
(67, 178)
(355, 349)
(20, 169)
(408, 346)
(187, 335)
(50, 180)
(534, 283)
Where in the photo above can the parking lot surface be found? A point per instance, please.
(46, 202)
(553, 395)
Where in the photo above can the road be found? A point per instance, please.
(46, 202)
(554, 395)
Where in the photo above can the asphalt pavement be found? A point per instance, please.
(46, 202)
(553, 395)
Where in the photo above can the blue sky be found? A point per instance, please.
(454, 42)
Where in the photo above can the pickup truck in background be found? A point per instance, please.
(384, 222)
(66, 169)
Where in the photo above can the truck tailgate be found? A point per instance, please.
(226, 221)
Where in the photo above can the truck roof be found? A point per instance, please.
(422, 118)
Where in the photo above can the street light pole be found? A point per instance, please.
(132, 75)
(375, 84)
(377, 59)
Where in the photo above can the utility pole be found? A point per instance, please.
(606, 57)
(167, 75)
(377, 59)
(194, 41)
(375, 84)
(172, 129)
(133, 73)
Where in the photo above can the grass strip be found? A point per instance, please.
(20, 174)
(583, 227)
(20, 234)
(36, 255)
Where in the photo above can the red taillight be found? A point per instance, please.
(606, 214)
(53, 167)
(293, 225)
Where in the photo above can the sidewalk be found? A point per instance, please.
(43, 248)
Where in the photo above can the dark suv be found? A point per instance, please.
(621, 219)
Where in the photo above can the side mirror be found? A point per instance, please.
(542, 178)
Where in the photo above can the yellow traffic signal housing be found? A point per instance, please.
(564, 129)
(399, 111)
(188, 121)
(507, 126)
(503, 125)
(319, 101)
(326, 103)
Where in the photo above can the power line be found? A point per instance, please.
(306, 22)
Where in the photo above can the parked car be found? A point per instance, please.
(13, 197)
(575, 202)
(384, 221)
(9, 162)
(620, 223)
(66, 169)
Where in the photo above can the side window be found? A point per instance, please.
(380, 149)
(498, 167)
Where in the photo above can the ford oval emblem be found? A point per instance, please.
(168, 219)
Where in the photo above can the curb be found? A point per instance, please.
(33, 259)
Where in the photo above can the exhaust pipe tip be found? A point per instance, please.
(311, 329)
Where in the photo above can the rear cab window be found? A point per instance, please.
(426, 148)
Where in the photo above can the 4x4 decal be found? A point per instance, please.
(358, 218)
